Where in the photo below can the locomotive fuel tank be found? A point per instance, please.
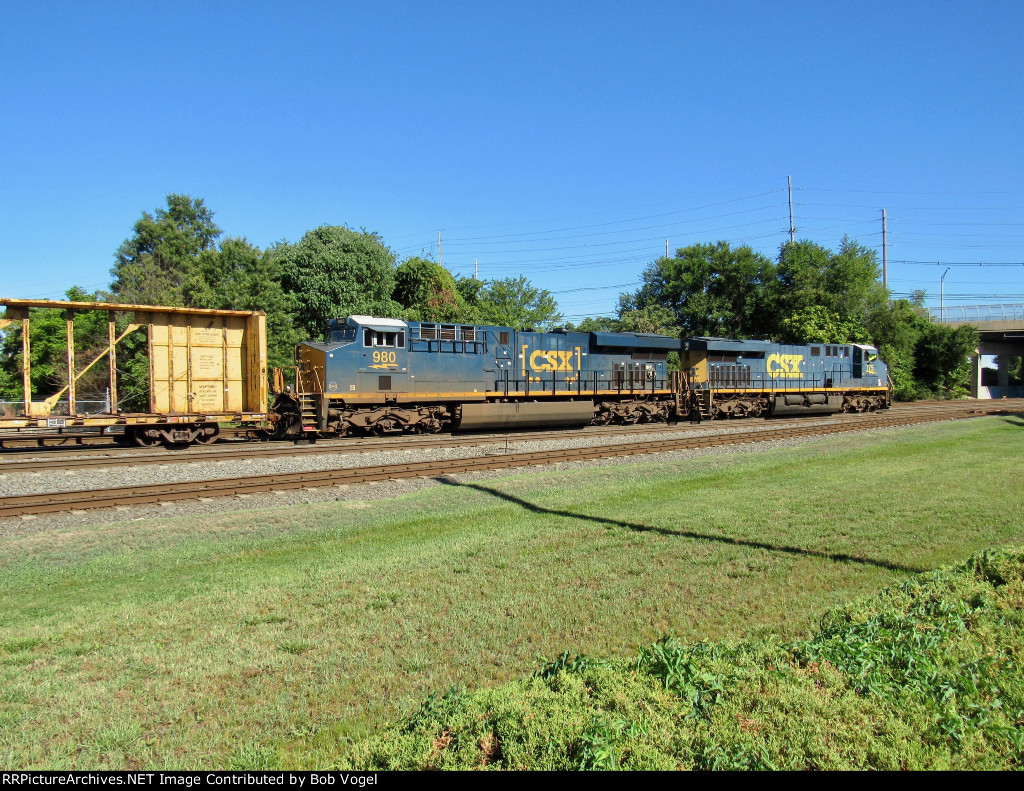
(528, 414)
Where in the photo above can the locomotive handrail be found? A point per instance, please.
(584, 382)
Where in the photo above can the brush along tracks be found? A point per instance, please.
(56, 502)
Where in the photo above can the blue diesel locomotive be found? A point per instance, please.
(728, 378)
(388, 376)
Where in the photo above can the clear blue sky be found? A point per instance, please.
(564, 141)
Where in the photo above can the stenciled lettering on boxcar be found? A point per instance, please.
(784, 366)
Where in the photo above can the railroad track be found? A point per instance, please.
(56, 502)
(247, 450)
(26, 440)
(368, 445)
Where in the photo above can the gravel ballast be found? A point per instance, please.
(41, 482)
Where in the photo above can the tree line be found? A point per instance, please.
(809, 294)
(176, 256)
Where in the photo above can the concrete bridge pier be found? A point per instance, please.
(1004, 353)
(1003, 375)
(1000, 333)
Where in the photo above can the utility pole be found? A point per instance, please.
(792, 228)
(440, 252)
(666, 248)
(476, 270)
(885, 254)
(942, 294)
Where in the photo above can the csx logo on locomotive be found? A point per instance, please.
(542, 360)
(785, 366)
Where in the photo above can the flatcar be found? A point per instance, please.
(388, 376)
(730, 378)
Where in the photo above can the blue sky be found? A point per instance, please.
(563, 141)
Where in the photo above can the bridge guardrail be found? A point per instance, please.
(975, 313)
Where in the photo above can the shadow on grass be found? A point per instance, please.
(836, 557)
(1016, 420)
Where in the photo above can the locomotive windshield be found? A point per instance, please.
(343, 334)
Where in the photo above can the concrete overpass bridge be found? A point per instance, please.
(1001, 331)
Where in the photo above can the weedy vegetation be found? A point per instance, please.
(926, 675)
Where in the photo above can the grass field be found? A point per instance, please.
(273, 638)
(924, 675)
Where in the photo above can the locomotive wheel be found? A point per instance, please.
(386, 426)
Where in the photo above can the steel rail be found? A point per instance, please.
(352, 445)
(56, 502)
(244, 450)
(34, 439)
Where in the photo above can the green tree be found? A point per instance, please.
(238, 276)
(853, 279)
(335, 271)
(1015, 370)
(818, 324)
(48, 345)
(941, 358)
(649, 319)
(801, 274)
(895, 329)
(812, 294)
(513, 302)
(844, 284)
(470, 288)
(429, 292)
(711, 289)
(596, 324)
(158, 264)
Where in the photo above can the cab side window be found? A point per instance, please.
(388, 340)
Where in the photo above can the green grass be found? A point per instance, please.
(275, 638)
(926, 675)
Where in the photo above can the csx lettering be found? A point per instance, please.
(551, 360)
(785, 366)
